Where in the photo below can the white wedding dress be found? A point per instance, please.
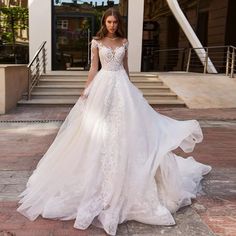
(112, 158)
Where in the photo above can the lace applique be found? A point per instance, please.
(110, 155)
(94, 45)
(109, 163)
(126, 45)
(111, 58)
(86, 214)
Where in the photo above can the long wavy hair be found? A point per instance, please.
(103, 30)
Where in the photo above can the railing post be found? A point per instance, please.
(227, 61)
(34, 74)
(44, 60)
(88, 48)
(29, 84)
(183, 59)
(37, 67)
(206, 62)
(232, 64)
(189, 59)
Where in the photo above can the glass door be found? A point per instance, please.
(75, 22)
(72, 37)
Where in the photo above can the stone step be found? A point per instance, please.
(68, 86)
(82, 82)
(81, 88)
(158, 102)
(84, 77)
(65, 89)
(75, 95)
(141, 79)
(132, 74)
(58, 92)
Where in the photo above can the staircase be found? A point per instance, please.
(58, 89)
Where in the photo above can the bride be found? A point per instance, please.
(112, 158)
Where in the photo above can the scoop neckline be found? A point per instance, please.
(109, 47)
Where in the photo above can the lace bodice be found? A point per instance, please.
(111, 59)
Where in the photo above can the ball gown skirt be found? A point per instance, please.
(112, 161)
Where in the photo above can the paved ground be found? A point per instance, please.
(26, 133)
(202, 90)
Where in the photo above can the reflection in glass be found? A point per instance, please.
(151, 34)
(75, 22)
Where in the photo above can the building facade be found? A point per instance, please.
(68, 26)
(212, 20)
(8, 3)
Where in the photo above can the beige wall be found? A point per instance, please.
(135, 34)
(2, 90)
(13, 82)
(40, 27)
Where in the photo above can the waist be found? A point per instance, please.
(112, 68)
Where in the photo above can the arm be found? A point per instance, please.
(93, 66)
(125, 60)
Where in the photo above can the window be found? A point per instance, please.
(62, 24)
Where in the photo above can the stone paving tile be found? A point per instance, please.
(60, 112)
(41, 113)
(219, 213)
(188, 223)
(221, 182)
(199, 114)
(217, 149)
(31, 140)
(23, 144)
(219, 123)
(12, 183)
(217, 208)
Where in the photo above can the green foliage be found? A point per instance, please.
(12, 19)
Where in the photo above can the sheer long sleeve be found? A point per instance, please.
(125, 60)
(94, 63)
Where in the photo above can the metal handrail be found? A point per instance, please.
(232, 63)
(223, 58)
(170, 49)
(36, 67)
(230, 58)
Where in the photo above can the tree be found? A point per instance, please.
(12, 19)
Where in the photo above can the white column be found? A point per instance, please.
(40, 27)
(135, 34)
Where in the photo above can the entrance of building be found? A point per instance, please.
(74, 25)
(71, 42)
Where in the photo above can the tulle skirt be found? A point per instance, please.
(112, 161)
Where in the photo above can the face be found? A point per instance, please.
(111, 24)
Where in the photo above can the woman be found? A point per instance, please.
(112, 158)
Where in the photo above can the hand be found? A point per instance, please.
(83, 96)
